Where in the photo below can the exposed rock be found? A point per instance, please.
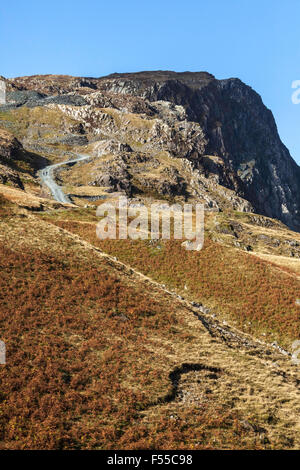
(110, 146)
(237, 127)
(230, 228)
(164, 187)
(15, 161)
(220, 126)
(69, 139)
(268, 240)
(115, 177)
(9, 146)
(52, 84)
(7, 175)
(263, 221)
(31, 98)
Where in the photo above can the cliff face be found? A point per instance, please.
(10, 149)
(237, 127)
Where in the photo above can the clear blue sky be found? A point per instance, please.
(255, 40)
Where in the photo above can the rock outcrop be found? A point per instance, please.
(16, 163)
(10, 149)
(237, 127)
(220, 128)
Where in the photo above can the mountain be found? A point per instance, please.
(237, 127)
(220, 126)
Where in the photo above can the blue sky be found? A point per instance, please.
(255, 40)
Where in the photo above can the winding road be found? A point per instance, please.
(46, 175)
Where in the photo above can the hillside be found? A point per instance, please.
(110, 359)
(142, 344)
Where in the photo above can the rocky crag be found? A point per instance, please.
(166, 134)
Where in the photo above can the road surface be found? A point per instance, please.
(46, 175)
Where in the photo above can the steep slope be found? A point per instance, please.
(257, 296)
(233, 125)
(237, 127)
(100, 356)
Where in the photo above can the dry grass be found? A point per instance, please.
(92, 347)
(28, 200)
(39, 121)
(130, 120)
(251, 292)
(291, 265)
